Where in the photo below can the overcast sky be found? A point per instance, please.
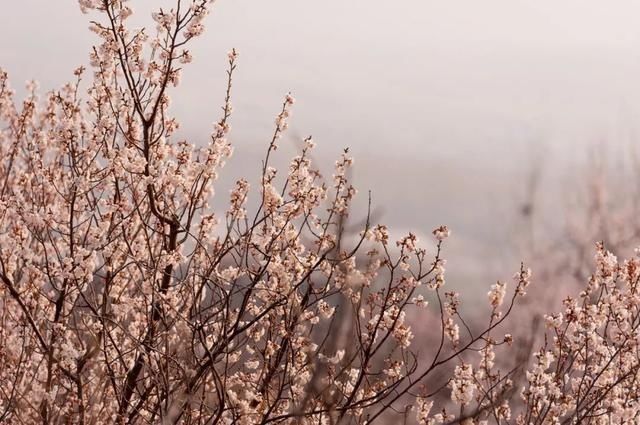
(459, 94)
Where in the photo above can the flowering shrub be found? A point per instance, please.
(588, 373)
(125, 298)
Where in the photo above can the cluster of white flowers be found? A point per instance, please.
(441, 233)
(462, 384)
(497, 294)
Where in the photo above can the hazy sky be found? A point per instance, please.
(437, 77)
(459, 94)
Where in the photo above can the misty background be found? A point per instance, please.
(448, 107)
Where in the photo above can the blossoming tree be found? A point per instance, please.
(125, 298)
